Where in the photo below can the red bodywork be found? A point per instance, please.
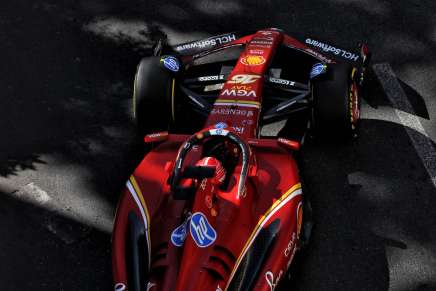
(272, 192)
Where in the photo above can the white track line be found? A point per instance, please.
(411, 123)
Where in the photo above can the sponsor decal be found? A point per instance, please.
(230, 111)
(247, 122)
(268, 38)
(253, 60)
(171, 63)
(267, 43)
(210, 42)
(239, 93)
(120, 287)
(221, 125)
(241, 87)
(211, 78)
(256, 52)
(155, 137)
(281, 81)
(272, 283)
(158, 134)
(290, 245)
(178, 236)
(150, 285)
(213, 87)
(239, 129)
(260, 46)
(266, 32)
(318, 55)
(244, 79)
(222, 132)
(202, 232)
(329, 48)
(294, 250)
(318, 69)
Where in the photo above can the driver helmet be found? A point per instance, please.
(220, 172)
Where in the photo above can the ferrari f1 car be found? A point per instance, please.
(215, 205)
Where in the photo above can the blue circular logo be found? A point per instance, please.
(171, 63)
(317, 69)
(202, 232)
(221, 125)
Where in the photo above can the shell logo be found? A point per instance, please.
(252, 60)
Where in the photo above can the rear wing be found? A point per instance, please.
(195, 47)
(357, 57)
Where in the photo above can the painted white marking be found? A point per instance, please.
(388, 114)
(32, 193)
(411, 123)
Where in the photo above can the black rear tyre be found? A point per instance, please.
(152, 97)
(335, 103)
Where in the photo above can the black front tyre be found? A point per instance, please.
(153, 102)
(336, 105)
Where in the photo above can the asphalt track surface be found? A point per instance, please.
(67, 144)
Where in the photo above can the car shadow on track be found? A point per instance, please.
(372, 202)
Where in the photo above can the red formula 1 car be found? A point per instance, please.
(222, 208)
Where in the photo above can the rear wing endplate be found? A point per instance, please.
(195, 47)
(356, 57)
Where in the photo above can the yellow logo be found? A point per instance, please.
(252, 60)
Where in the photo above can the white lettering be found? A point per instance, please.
(281, 81)
(332, 49)
(228, 111)
(209, 78)
(269, 277)
(238, 129)
(261, 42)
(244, 79)
(256, 52)
(290, 245)
(207, 43)
(239, 93)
